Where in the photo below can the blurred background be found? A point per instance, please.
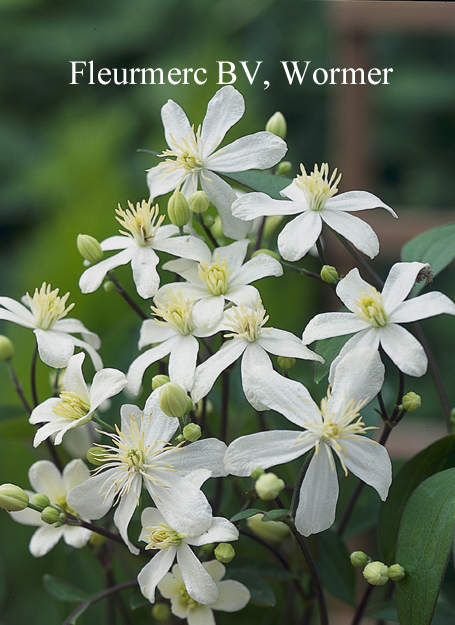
(70, 153)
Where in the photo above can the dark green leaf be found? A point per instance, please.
(275, 515)
(437, 457)
(385, 611)
(63, 591)
(335, 568)
(257, 566)
(246, 514)
(423, 547)
(329, 350)
(261, 592)
(261, 181)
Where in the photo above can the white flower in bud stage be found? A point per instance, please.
(219, 277)
(375, 316)
(335, 428)
(44, 314)
(313, 196)
(252, 340)
(144, 234)
(76, 404)
(141, 454)
(46, 479)
(193, 158)
(162, 536)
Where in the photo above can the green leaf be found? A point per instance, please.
(246, 514)
(258, 567)
(63, 591)
(275, 515)
(261, 181)
(329, 350)
(435, 458)
(435, 246)
(423, 547)
(261, 592)
(335, 568)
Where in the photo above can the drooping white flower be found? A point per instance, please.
(192, 157)
(335, 428)
(220, 276)
(312, 198)
(142, 454)
(375, 316)
(252, 340)
(46, 479)
(162, 536)
(76, 404)
(44, 314)
(144, 234)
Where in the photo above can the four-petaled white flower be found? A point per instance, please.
(46, 479)
(375, 316)
(220, 276)
(161, 535)
(250, 338)
(193, 157)
(142, 454)
(313, 197)
(334, 428)
(144, 235)
(76, 404)
(44, 313)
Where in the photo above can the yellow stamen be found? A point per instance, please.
(370, 308)
(162, 536)
(140, 221)
(176, 311)
(247, 323)
(47, 307)
(71, 406)
(317, 186)
(215, 276)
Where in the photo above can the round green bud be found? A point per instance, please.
(277, 125)
(89, 248)
(283, 168)
(329, 274)
(6, 348)
(161, 612)
(272, 531)
(50, 515)
(180, 438)
(359, 558)
(265, 251)
(224, 553)
(13, 498)
(109, 286)
(256, 473)
(209, 221)
(376, 573)
(192, 432)
(40, 501)
(159, 380)
(411, 402)
(199, 202)
(286, 363)
(268, 486)
(173, 400)
(94, 456)
(396, 572)
(178, 209)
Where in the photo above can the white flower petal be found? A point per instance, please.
(299, 235)
(75, 473)
(422, 307)
(296, 194)
(160, 427)
(73, 379)
(208, 311)
(327, 325)
(55, 425)
(138, 366)
(399, 283)
(105, 384)
(46, 478)
(207, 453)
(150, 517)
(154, 332)
(247, 295)
(357, 201)
(125, 510)
(188, 247)
(234, 254)
(93, 277)
(222, 196)
(232, 596)
(91, 351)
(252, 205)
(93, 499)
(368, 338)
(44, 540)
(76, 537)
(199, 584)
(370, 462)
(55, 348)
(201, 615)
(118, 242)
(258, 267)
(258, 151)
(221, 531)
(283, 343)
(161, 181)
(175, 122)
(207, 373)
(350, 289)
(224, 110)
(154, 571)
(182, 360)
(215, 569)
(43, 412)
(405, 350)
(145, 275)
(358, 232)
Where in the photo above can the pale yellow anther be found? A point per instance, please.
(215, 276)
(317, 186)
(176, 311)
(71, 406)
(47, 307)
(141, 222)
(370, 308)
(185, 153)
(247, 323)
(162, 536)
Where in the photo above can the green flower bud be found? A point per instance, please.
(376, 573)
(277, 125)
(359, 558)
(94, 456)
(209, 221)
(396, 572)
(159, 380)
(286, 363)
(161, 612)
(329, 274)
(268, 486)
(283, 168)
(272, 531)
(109, 286)
(199, 202)
(40, 501)
(180, 438)
(13, 498)
(50, 515)
(192, 432)
(89, 248)
(224, 553)
(178, 209)
(411, 402)
(256, 473)
(6, 348)
(173, 400)
(265, 251)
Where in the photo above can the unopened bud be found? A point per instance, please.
(359, 558)
(224, 553)
(272, 531)
(159, 380)
(6, 348)
(40, 501)
(268, 486)
(199, 202)
(173, 400)
(256, 473)
(376, 573)
(161, 612)
(396, 572)
(329, 274)
(178, 209)
(95, 456)
(265, 251)
(283, 168)
(13, 498)
(192, 432)
(109, 286)
(50, 515)
(209, 221)
(411, 402)
(277, 125)
(89, 248)
(285, 362)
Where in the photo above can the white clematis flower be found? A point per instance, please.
(162, 536)
(252, 340)
(232, 596)
(46, 479)
(44, 313)
(220, 276)
(76, 404)
(375, 316)
(193, 158)
(334, 428)
(144, 234)
(312, 197)
(141, 454)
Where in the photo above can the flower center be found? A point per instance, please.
(317, 186)
(247, 323)
(71, 406)
(187, 600)
(371, 308)
(215, 276)
(176, 311)
(47, 307)
(162, 536)
(140, 221)
(185, 153)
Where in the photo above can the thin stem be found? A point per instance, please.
(393, 418)
(121, 291)
(101, 595)
(321, 252)
(71, 519)
(360, 259)
(301, 270)
(18, 388)
(223, 432)
(103, 424)
(207, 231)
(33, 377)
(363, 604)
(257, 243)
